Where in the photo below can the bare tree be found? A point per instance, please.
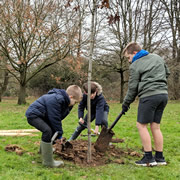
(172, 17)
(33, 36)
(130, 21)
(119, 31)
(80, 6)
(171, 52)
(152, 22)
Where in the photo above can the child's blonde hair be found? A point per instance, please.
(75, 92)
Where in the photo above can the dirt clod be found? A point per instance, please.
(14, 148)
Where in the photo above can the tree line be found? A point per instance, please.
(45, 44)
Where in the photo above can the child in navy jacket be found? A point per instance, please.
(99, 109)
(46, 114)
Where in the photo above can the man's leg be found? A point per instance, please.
(155, 129)
(145, 136)
(149, 111)
(157, 135)
(148, 159)
(158, 142)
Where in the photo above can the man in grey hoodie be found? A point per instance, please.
(148, 81)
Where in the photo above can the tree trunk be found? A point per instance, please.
(122, 87)
(4, 84)
(22, 94)
(178, 55)
(22, 84)
(0, 97)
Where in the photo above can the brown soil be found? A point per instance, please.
(14, 148)
(77, 153)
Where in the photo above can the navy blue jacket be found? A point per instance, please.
(52, 107)
(98, 106)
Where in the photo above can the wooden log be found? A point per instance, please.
(16, 134)
(19, 131)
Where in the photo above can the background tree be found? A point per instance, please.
(129, 21)
(33, 36)
(171, 50)
(172, 17)
(4, 76)
(59, 75)
(37, 34)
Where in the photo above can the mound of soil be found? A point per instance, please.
(77, 153)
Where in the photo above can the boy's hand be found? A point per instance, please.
(96, 130)
(81, 120)
(61, 139)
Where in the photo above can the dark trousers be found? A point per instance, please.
(83, 126)
(44, 127)
(104, 122)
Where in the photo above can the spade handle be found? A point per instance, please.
(116, 120)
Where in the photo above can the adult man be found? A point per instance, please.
(148, 80)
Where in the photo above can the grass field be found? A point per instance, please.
(28, 166)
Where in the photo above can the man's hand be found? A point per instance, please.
(125, 108)
(81, 120)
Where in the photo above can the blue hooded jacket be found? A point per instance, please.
(52, 107)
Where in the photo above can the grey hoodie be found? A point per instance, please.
(148, 76)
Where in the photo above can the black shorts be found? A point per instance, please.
(151, 108)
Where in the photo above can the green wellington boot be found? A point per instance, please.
(47, 155)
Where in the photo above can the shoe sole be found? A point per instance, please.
(148, 164)
(161, 163)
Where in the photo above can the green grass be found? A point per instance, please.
(28, 166)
